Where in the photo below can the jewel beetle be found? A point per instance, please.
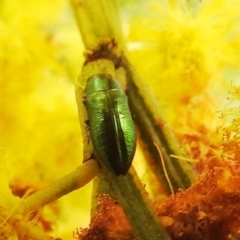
(110, 122)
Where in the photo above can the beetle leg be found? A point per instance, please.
(83, 119)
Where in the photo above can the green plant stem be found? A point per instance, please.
(134, 199)
(156, 135)
(70, 182)
(99, 20)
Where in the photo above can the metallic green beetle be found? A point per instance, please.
(111, 126)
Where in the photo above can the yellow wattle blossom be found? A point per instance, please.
(185, 50)
(188, 54)
(40, 57)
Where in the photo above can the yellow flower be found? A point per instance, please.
(185, 50)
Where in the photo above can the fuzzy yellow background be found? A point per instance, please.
(188, 53)
(185, 56)
(40, 57)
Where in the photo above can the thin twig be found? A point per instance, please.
(71, 182)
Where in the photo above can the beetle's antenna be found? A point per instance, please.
(164, 168)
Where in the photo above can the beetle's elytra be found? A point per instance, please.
(111, 126)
